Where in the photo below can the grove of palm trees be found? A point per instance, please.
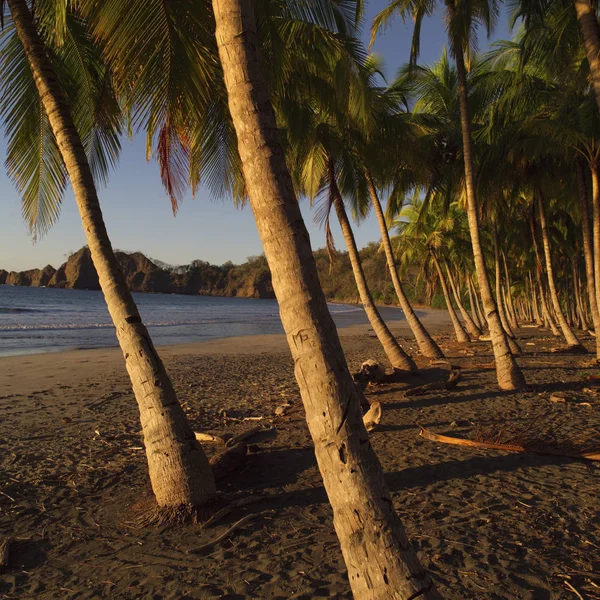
(263, 478)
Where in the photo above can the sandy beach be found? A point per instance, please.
(487, 524)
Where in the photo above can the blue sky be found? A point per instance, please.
(138, 213)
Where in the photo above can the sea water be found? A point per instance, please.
(34, 320)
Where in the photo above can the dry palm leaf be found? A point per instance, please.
(522, 441)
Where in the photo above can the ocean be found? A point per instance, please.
(36, 320)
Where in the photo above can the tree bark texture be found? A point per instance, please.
(395, 353)
(508, 373)
(381, 563)
(178, 468)
(568, 334)
(426, 344)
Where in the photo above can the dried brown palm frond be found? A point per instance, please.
(529, 438)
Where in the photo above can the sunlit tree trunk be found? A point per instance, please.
(568, 334)
(396, 355)
(478, 306)
(381, 563)
(512, 317)
(425, 342)
(472, 304)
(590, 31)
(470, 324)
(546, 315)
(178, 468)
(534, 302)
(508, 373)
(461, 335)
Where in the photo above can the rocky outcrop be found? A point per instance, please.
(251, 279)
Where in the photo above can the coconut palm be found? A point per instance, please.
(461, 20)
(179, 470)
(364, 518)
(159, 53)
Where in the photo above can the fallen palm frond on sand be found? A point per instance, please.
(522, 441)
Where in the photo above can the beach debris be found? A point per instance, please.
(526, 441)
(371, 372)
(449, 384)
(5, 551)
(229, 460)
(223, 536)
(485, 338)
(236, 439)
(282, 409)
(372, 417)
(209, 438)
(558, 397)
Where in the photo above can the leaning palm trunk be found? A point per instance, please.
(472, 304)
(381, 563)
(510, 308)
(596, 228)
(534, 303)
(179, 470)
(508, 373)
(590, 31)
(501, 311)
(567, 332)
(394, 352)
(547, 318)
(471, 327)
(461, 335)
(425, 342)
(478, 306)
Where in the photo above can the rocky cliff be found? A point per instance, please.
(251, 279)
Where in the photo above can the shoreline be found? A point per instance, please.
(22, 373)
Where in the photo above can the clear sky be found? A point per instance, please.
(138, 213)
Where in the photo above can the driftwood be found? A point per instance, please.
(449, 384)
(229, 460)
(236, 439)
(222, 537)
(209, 438)
(5, 551)
(593, 454)
(372, 417)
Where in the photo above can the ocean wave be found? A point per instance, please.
(84, 326)
(9, 310)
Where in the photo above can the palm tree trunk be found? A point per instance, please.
(178, 468)
(462, 337)
(508, 373)
(471, 327)
(534, 302)
(478, 306)
(590, 31)
(396, 355)
(501, 311)
(588, 252)
(512, 317)
(363, 515)
(425, 342)
(546, 315)
(568, 334)
(472, 304)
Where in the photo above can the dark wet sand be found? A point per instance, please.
(494, 525)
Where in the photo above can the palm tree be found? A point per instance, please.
(424, 233)
(461, 18)
(179, 470)
(364, 517)
(321, 156)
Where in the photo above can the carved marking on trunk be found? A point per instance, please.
(342, 452)
(344, 417)
(134, 319)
